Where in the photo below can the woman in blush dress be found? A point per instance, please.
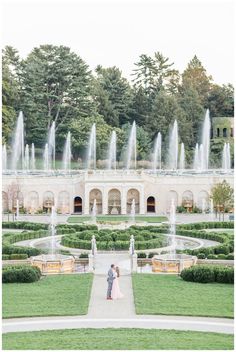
(115, 292)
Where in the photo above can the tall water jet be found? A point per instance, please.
(201, 157)
(53, 231)
(94, 212)
(27, 160)
(132, 151)
(226, 159)
(67, 153)
(157, 152)
(132, 212)
(196, 165)
(112, 152)
(52, 146)
(18, 143)
(91, 158)
(173, 148)
(4, 157)
(206, 130)
(173, 228)
(182, 157)
(32, 157)
(46, 165)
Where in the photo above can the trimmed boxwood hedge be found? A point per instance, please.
(11, 237)
(17, 273)
(25, 225)
(115, 239)
(206, 274)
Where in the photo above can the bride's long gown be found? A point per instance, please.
(115, 292)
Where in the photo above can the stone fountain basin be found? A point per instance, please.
(53, 264)
(172, 263)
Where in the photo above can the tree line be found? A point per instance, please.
(54, 84)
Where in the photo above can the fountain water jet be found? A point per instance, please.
(91, 159)
(52, 146)
(132, 212)
(226, 159)
(157, 152)
(27, 160)
(94, 212)
(173, 228)
(112, 152)
(196, 161)
(53, 222)
(206, 141)
(18, 143)
(173, 148)
(132, 152)
(182, 157)
(4, 157)
(46, 165)
(67, 153)
(32, 157)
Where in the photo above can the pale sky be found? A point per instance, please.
(115, 33)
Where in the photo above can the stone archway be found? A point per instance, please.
(151, 206)
(114, 202)
(95, 194)
(172, 195)
(78, 205)
(33, 202)
(203, 200)
(133, 194)
(63, 205)
(187, 200)
(48, 201)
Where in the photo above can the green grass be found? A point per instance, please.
(117, 339)
(51, 296)
(170, 295)
(116, 218)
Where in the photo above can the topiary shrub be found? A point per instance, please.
(11, 274)
(221, 256)
(201, 256)
(142, 255)
(5, 256)
(151, 254)
(230, 257)
(83, 255)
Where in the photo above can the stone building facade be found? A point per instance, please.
(113, 191)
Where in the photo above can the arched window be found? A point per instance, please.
(187, 200)
(63, 205)
(33, 202)
(231, 132)
(4, 202)
(151, 205)
(78, 205)
(133, 194)
(171, 196)
(114, 202)
(225, 134)
(95, 194)
(48, 201)
(218, 132)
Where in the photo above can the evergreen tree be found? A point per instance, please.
(221, 100)
(56, 87)
(113, 95)
(195, 77)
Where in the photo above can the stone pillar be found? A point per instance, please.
(141, 201)
(91, 263)
(105, 202)
(134, 263)
(86, 202)
(123, 201)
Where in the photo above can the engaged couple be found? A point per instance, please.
(113, 290)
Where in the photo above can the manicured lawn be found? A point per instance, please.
(117, 339)
(52, 295)
(170, 295)
(116, 218)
